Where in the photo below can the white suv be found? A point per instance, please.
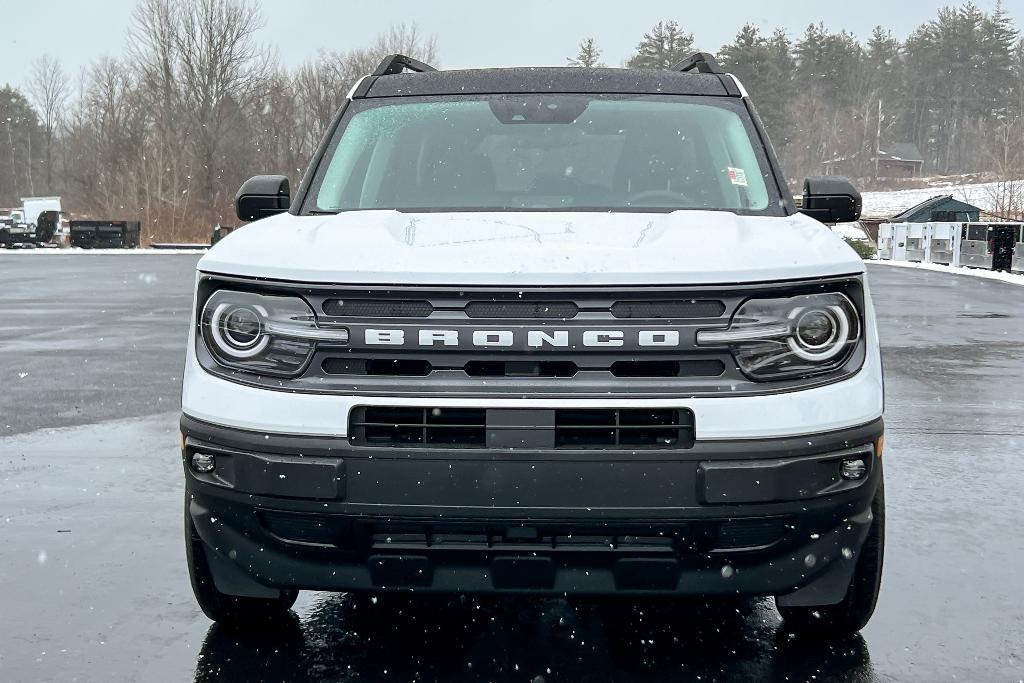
(550, 331)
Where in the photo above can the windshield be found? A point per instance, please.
(545, 152)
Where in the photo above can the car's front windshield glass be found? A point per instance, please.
(545, 152)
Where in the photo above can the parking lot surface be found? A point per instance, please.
(92, 563)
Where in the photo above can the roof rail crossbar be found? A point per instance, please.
(396, 64)
(702, 62)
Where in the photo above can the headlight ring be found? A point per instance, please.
(238, 330)
(806, 346)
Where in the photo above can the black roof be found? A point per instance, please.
(902, 151)
(547, 79)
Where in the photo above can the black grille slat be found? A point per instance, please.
(423, 427)
(418, 367)
(499, 368)
(377, 308)
(573, 428)
(388, 367)
(668, 368)
(523, 310)
(667, 309)
(583, 428)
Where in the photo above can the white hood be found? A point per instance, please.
(532, 248)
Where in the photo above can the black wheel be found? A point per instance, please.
(854, 612)
(230, 610)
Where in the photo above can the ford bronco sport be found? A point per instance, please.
(537, 330)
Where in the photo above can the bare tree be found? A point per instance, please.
(165, 161)
(48, 88)
(406, 39)
(320, 87)
(167, 133)
(221, 68)
(322, 83)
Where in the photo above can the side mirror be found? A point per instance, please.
(262, 196)
(831, 199)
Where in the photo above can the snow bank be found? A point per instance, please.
(989, 197)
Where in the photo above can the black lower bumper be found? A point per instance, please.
(764, 517)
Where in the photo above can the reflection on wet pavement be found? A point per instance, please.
(422, 638)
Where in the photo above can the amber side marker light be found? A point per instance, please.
(880, 446)
(181, 440)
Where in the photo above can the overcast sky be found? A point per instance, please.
(470, 33)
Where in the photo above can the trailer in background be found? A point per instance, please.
(105, 234)
(991, 246)
(943, 244)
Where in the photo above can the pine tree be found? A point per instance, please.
(665, 46)
(829, 61)
(765, 68)
(998, 39)
(588, 56)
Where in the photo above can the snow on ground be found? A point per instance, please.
(989, 197)
(1010, 278)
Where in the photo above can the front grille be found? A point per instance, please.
(668, 368)
(583, 428)
(527, 368)
(533, 342)
(589, 428)
(377, 308)
(522, 309)
(390, 367)
(667, 309)
(414, 367)
(383, 426)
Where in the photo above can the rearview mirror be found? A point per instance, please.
(262, 196)
(831, 199)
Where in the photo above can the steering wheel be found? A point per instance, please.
(672, 196)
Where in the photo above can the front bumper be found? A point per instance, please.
(753, 517)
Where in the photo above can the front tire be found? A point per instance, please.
(230, 610)
(855, 610)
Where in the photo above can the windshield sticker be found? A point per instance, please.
(737, 176)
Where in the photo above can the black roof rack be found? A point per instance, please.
(396, 64)
(702, 62)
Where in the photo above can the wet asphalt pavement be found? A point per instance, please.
(93, 584)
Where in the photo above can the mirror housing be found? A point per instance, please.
(831, 199)
(262, 196)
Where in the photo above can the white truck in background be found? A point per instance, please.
(24, 227)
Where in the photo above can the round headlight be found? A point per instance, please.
(237, 330)
(815, 329)
(242, 327)
(819, 333)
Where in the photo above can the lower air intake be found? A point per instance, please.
(535, 429)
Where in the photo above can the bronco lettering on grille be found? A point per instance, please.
(509, 338)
